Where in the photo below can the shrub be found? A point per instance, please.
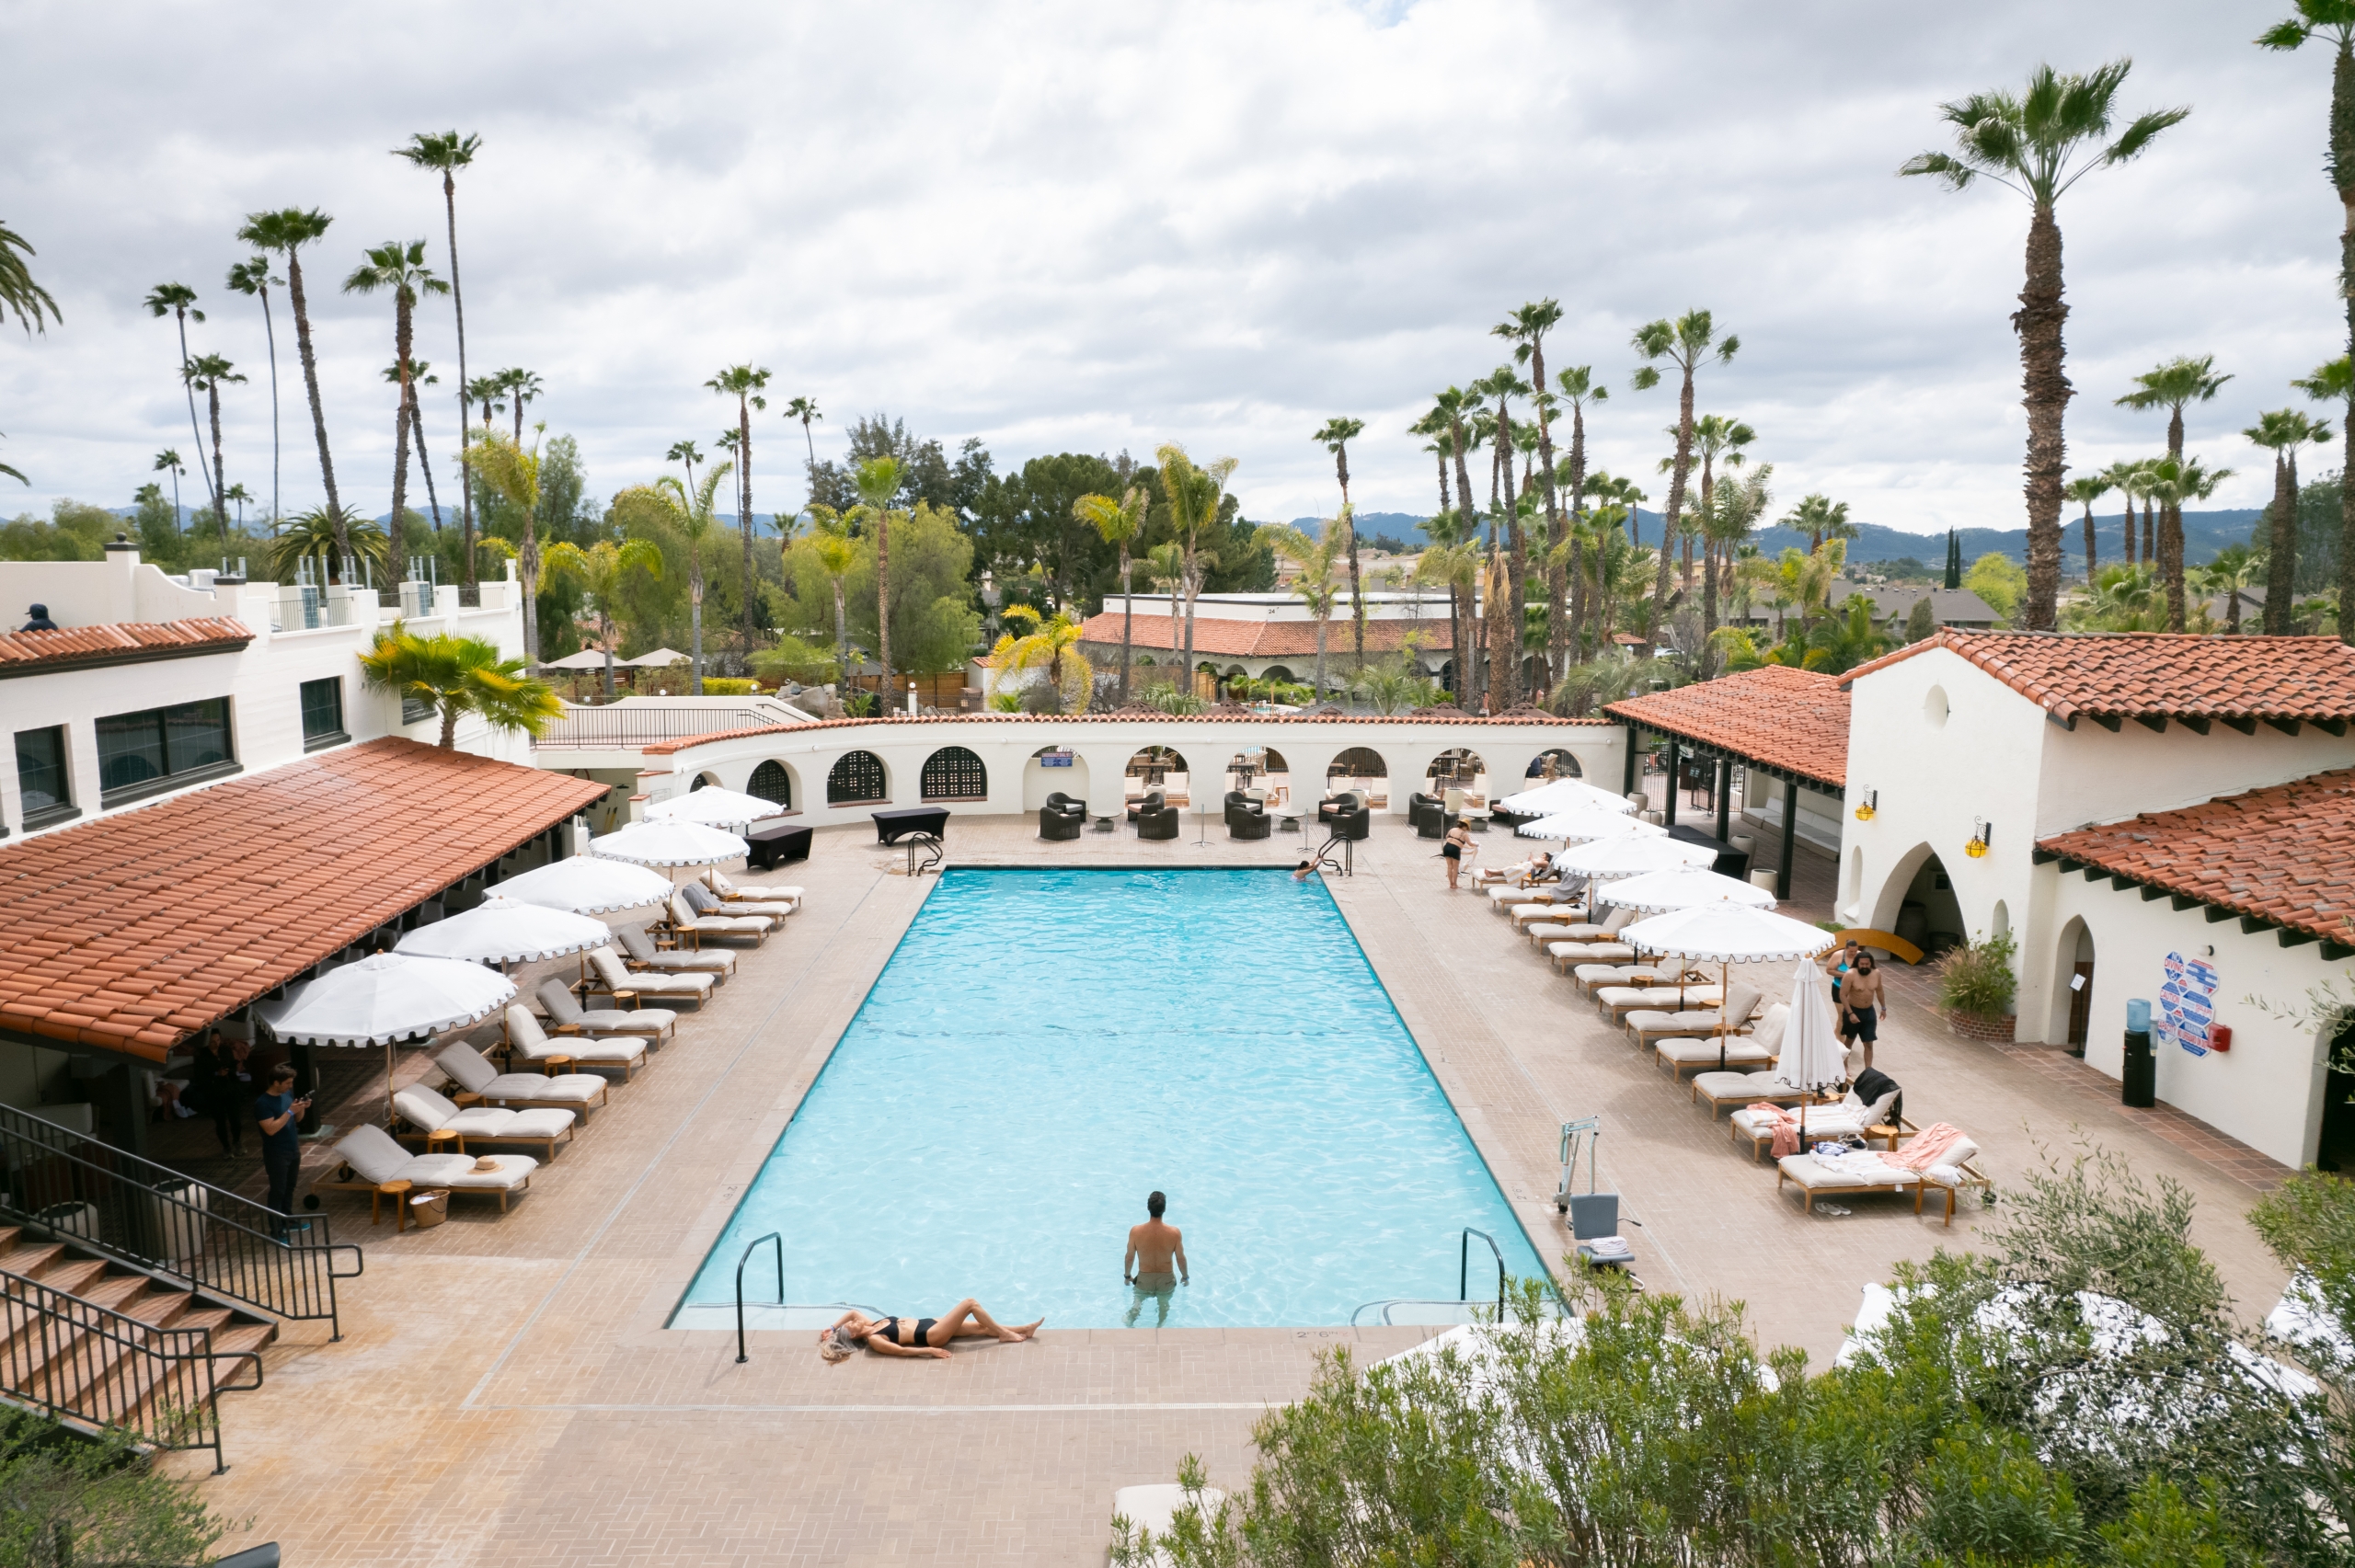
(859, 704)
(1976, 978)
(730, 686)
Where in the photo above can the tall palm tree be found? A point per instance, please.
(2283, 432)
(2170, 386)
(830, 546)
(1564, 584)
(2086, 489)
(1813, 515)
(878, 480)
(401, 268)
(692, 513)
(178, 302)
(1196, 495)
(168, 462)
(1454, 408)
(1525, 330)
(20, 295)
(252, 277)
(2125, 476)
(2174, 479)
(1165, 569)
(488, 391)
(601, 570)
(1317, 559)
(686, 455)
(1505, 621)
(2335, 19)
(2040, 143)
(744, 383)
(239, 494)
(2334, 383)
(520, 387)
(1451, 559)
(1119, 522)
(806, 409)
(1335, 437)
(446, 153)
(420, 374)
(459, 676)
(513, 473)
(206, 373)
(286, 231)
(1718, 439)
(1687, 343)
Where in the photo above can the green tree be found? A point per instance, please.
(806, 409)
(2086, 489)
(445, 153)
(1510, 573)
(601, 570)
(402, 269)
(1564, 610)
(878, 482)
(286, 232)
(1921, 622)
(1196, 496)
(2282, 431)
(208, 373)
(327, 541)
(67, 1501)
(1525, 328)
(252, 279)
(1334, 437)
(2170, 386)
(520, 388)
(1994, 578)
(830, 545)
(178, 302)
(168, 462)
(2038, 143)
(2172, 480)
(20, 295)
(744, 383)
(1686, 343)
(513, 475)
(1028, 518)
(693, 518)
(2122, 599)
(420, 375)
(459, 676)
(2334, 383)
(1119, 522)
(2234, 569)
(1317, 560)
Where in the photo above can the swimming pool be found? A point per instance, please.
(1046, 1047)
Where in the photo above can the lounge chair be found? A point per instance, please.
(1863, 1172)
(427, 1111)
(570, 1017)
(527, 1040)
(1612, 925)
(1847, 1117)
(613, 980)
(703, 901)
(722, 885)
(369, 1158)
(1617, 1002)
(1505, 894)
(521, 1091)
(1734, 1085)
(1705, 1053)
(690, 927)
(1593, 978)
(638, 952)
(1742, 1001)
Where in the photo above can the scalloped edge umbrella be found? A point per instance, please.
(505, 930)
(714, 807)
(585, 885)
(668, 844)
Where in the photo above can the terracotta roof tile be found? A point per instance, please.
(127, 642)
(1264, 638)
(2128, 674)
(2285, 854)
(667, 748)
(1795, 720)
(132, 931)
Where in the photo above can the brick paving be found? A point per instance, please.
(506, 1392)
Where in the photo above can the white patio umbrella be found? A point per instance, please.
(384, 998)
(1588, 826)
(1607, 860)
(586, 886)
(1562, 795)
(660, 659)
(1726, 934)
(504, 930)
(1682, 887)
(669, 843)
(714, 808)
(1812, 1059)
(587, 658)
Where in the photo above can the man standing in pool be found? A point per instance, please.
(1154, 1248)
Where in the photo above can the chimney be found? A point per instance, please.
(122, 567)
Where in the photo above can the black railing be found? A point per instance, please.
(1463, 1268)
(92, 1365)
(61, 1184)
(623, 727)
(779, 1242)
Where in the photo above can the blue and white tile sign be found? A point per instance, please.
(2186, 1004)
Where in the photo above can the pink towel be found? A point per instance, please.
(1787, 1128)
(1929, 1147)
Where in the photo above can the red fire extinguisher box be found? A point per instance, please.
(2220, 1037)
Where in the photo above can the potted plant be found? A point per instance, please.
(1976, 987)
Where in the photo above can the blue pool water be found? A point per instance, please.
(1046, 1047)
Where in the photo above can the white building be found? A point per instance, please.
(1270, 636)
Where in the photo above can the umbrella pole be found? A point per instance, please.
(391, 1119)
(1724, 988)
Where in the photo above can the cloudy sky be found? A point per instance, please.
(1090, 227)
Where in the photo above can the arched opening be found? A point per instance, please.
(1053, 770)
(1553, 763)
(1934, 708)
(1262, 773)
(1361, 768)
(954, 772)
(2336, 1152)
(771, 781)
(1918, 903)
(1280, 672)
(2072, 992)
(856, 779)
(1447, 677)
(1459, 768)
(1156, 768)
(702, 781)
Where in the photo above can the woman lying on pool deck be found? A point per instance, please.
(916, 1336)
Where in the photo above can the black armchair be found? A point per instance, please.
(1249, 824)
(1153, 799)
(1155, 819)
(1062, 816)
(1356, 824)
(1427, 815)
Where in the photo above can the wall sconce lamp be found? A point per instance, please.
(1869, 806)
(1983, 834)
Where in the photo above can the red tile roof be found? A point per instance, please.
(1792, 720)
(2113, 675)
(1264, 639)
(128, 642)
(1518, 716)
(2284, 854)
(132, 931)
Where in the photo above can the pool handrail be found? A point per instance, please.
(779, 1240)
(1463, 1268)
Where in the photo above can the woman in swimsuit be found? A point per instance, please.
(916, 1336)
(1459, 838)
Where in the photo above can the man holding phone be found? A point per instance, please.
(279, 1115)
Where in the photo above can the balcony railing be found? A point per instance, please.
(625, 727)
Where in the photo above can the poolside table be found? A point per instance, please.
(890, 827)
(779, 843)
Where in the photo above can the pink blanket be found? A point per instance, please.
(1786, 1128)
(1929, 1147)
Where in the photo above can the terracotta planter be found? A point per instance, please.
(1973, 1027)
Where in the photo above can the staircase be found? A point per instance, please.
(104, 1346)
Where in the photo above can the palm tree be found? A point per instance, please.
(2040, 143)
(459, 675)
(207, 372)
(744, 383)
(1119, 522)
(685, 454)
(806, 409)
(2236, 566)
(1336, 435)
(178, 302)
(327, 541)
(1688, 342)
(20, 295)
(490, 391)
(1525, 330)
(514, 474)
(520, 386)
(2174, 479)
(834, 552)
(1165, 569)
(2334, 383)
(2283, 432)
(2086, 489)
(1505, 620)
(239, 494)
(600, 570)
(420, 374)
(1579, 388)
(2170, 386)
(1196, 495)
(402, 269)
(447, 153)
(2125, 476)
(1716, 439)
(1452, 558)
(691, 512)
(287, 231)
(168, 462)
(252, 277)
(1319, 559)
(2335, 19)
(1733, 512)
(878, 480)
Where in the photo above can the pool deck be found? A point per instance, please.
(505, 1392)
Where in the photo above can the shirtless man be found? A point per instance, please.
(1863, 1003)
(1154, 1246)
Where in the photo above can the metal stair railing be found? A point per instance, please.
(85, 1363)
(777, 1239)
(62, 1185)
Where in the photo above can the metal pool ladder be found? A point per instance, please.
(777, 1241)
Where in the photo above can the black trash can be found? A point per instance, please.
(2140, 1085)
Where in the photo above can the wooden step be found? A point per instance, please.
(31, 1257)
(8, 1234)
(116, 1289)
(72, 1276)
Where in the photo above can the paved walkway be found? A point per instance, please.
(506, 1393)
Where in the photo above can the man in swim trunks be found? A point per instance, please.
(1154, 1247)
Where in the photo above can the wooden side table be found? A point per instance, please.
(437, 1139)
(465, 1097)
(550, 1066)
(397, 1190)
(624, 998)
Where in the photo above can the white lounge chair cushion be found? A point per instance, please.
(1593, 951)
(1823, 1121)
(1546, 931)
(465, 1065)
(1768, 1030)
(639, 949)
(1687, 1051)
(565, 1008)
(1617, 921)
(1593, 978)
(728, 887)
(509, 1171)
(371, 1152)
(1645, 1021)
(1742, 1001)
(429, 1112)
(686, 918)
(574, 1088)
(1818, 1175)
(610, 971)
(1525, 911)
(1749, 1087)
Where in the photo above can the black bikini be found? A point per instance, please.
(890, 1329)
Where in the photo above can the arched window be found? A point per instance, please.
(702, 781)
(771, 781)
(954, 773)
(1565, 765)
(1358, 763)
(856, 778)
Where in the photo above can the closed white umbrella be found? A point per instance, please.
(384, 998)
(714, 808)
(1588, 826)
(1726, 934)
(1812, 1059)
(1562, 795)
(1682, 887)
(669, 843)
(504, 930)
(586, 886)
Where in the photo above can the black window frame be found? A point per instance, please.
(339, 733)
(784, 783)
(958, 767)
(839, 783)
(67, 810)
(415, 710)
(170, 778)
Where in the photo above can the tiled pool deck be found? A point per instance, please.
(506, 1393)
